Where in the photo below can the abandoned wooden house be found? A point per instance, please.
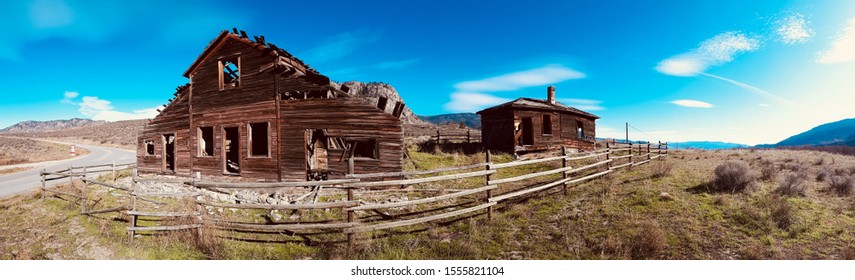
(254, 112)
(528, 124)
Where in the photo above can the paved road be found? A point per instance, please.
(20, 182)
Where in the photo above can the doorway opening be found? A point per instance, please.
(169, 153)
(231, 150)
(527, 133)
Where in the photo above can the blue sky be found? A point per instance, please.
(740, 71)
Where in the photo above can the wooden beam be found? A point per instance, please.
(421, 201)
(418, 220)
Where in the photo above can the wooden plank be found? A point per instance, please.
(622, 165)
(166, 194)
(116, 209)
(528, 190)
(280, 227)
(421, 180)
(529, 176)
(620, 150)
(620, 157)
(163, 214)
(63, 193)
(592, 176)
(587, 156)
(162, 228)
(146, 180)
(223, 185)
(55, 178)
(588, 166)
(413, 173)
(640, 162)
(322, 205)
(105, 184)
(421, 201)
(418, 220)
(523, 162)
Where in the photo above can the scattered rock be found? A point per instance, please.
(666, 196)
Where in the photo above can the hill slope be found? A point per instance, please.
(835, 133)
(707, 145)
(471, 120)
(42, 126)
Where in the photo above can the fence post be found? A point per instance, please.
(648, 150)
(132, 219)
(487, 183)
(564, 165)
(349, 214)
(43, 183)
(608, 153)
(437, 136)
(630, 155)
(113, 169)
(71, 176)
(83, 192)
(468, 136)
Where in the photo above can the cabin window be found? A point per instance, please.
(229, 73)
(206, 141)
(149, 148)
(547, 124)
(580, 132)
(364, 148)
(336, 143)
(381, 103)
(258, 140)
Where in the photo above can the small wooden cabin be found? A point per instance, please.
(528, 124)
(254, 112)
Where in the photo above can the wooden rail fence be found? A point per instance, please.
(351, 196)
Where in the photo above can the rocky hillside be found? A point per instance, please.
(121, 134)
(471, 120)
(372, 91)
(44, 126)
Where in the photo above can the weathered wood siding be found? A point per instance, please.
(341, 117)
(498, 129)
(173, 119)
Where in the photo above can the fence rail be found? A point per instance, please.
(351, 195)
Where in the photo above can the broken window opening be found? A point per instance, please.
(231, 150)
(580, 133)
(364, 148)
(336, 143)
(258, 140)
(381, 103)
(149, 148)
(399, 109)
(206, 141)
(229, 73)
(547, 124)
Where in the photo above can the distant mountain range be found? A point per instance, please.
(705, 145)
(835, 133)
(44, 126)
(471, 120)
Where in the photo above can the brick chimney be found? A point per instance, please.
(550, 94)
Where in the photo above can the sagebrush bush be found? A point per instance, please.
(768, 171)
(661, 168)
(781, 213)
(733, 176)
(649, 242)
(843, 185)
(821, 176)
(793, 184)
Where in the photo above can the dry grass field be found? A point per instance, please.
(728, 204)
(17, 151)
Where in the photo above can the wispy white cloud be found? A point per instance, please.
(396, 64)
(472, 101)
(691, 103)
(751, 89)
(717, 50)
(471, 95)
(583, 104)
(793, 29)
(842, 48)
(68, 96)
(102, 110)
(541, 76)
(342, 44)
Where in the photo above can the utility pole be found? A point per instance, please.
(627, 132)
